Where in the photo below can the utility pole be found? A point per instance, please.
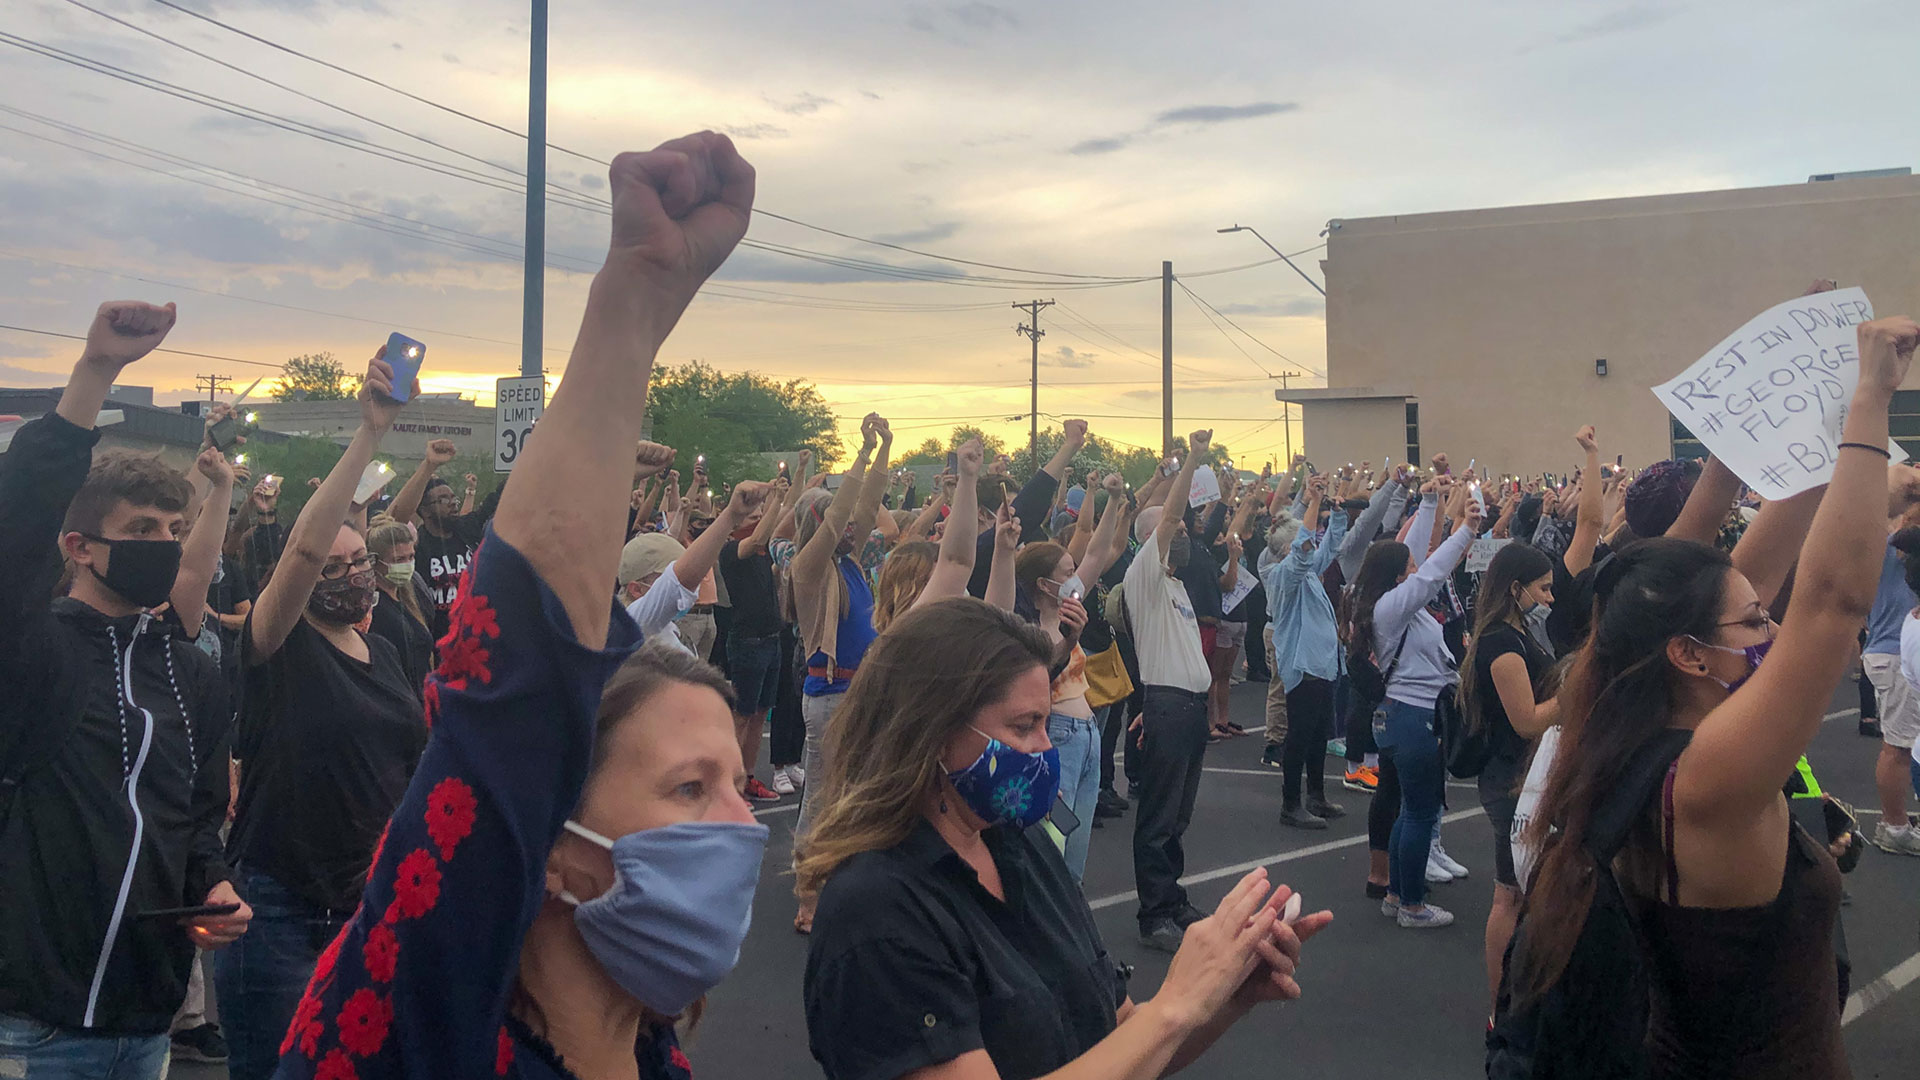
(1166, 357)
(1286, 416)
(533, 314)
(1033, 333)
(214, 385)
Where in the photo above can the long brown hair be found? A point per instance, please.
(1379, 572)
(1618, 696)
(1515, 564)
(921, 684)
(902, 577)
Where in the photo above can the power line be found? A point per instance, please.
(1201, 299)
(451, 110)
(1195, 301)
(176, 352)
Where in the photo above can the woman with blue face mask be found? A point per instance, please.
(1671, 720)
(573, 863)
(951, 940)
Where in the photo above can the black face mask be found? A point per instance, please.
(139, 571)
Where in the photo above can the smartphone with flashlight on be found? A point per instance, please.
(224, 434)
(404, 356)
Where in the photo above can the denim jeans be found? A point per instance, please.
(40, 1051)
(1405, 734)
(818, 709)
(1078, 741)
(261, 977)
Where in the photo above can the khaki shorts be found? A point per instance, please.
(1899, 705)
(1229, 635)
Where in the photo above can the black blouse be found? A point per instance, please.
(913, 963)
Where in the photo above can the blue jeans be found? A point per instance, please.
(1078, 742)
(40, 1051)
(261, 977)
(1405, 736)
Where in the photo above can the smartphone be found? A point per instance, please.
(783, 469)
(224, 434)
(194, 912)
(405, 356)
(1060, 817)
(376, 476)
(1076, 593)
(270, 484)
(953, 463)
(1619, 460)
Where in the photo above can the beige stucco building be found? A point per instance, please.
(1492, 334)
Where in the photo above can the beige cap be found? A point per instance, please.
(648, 553)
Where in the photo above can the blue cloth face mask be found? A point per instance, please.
(1753, 653)
(1005, 786)
(670, 928)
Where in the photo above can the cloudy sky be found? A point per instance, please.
(1076, 142)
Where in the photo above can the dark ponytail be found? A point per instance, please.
(1618, 695)
(1515, 564)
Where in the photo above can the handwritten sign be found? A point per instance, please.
(1206, 487)
(1243, 583)
(1771, 399)
(1480, 555)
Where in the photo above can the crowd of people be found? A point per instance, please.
(431, 788)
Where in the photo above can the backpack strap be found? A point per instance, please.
(1399, 650)
(1645, 772)
(1666, 831)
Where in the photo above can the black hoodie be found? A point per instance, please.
(123, 729)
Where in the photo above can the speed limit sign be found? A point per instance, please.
(518, 403)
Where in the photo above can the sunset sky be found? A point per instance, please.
(1061, 139)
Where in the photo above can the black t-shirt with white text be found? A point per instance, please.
(442, 559)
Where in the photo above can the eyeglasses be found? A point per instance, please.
(334, 571)
(1756, 623)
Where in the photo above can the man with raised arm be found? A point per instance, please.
(113, 742)
(1173, 736)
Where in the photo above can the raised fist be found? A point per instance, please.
(1075, 432)
(124, 331)
(651, 459)
(1585, 438)
(678, 211)
(439, 452)
(1200, 442)
(969, 456)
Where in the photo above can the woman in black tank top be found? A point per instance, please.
(1739, 904)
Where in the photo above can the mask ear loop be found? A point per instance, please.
(590, 837)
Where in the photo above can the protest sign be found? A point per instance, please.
(1769, 401)
(1243, 583)
(1206, 487)
(1480, 555)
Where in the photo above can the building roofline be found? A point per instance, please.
(1340, 393)
(1688, 202)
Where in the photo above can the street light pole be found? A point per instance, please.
(1276, 251)
(533, 287)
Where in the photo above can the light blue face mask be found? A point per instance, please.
(670, 928)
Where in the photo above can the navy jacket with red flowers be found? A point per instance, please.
(417, 984)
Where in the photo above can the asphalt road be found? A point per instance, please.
(1380, 1001)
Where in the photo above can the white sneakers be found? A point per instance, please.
(1897, 839)
(1437, 856)
(1429, 917)
(788, 779)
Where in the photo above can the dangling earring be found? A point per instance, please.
(943, 804)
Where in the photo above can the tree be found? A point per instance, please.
(932, 452)
(732, 418)
(294, 461)
(315, 377)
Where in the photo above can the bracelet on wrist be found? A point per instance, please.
(1869, 448)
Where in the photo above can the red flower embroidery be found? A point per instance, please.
(310, 1038)
(464, 657)
(432, 700)
(472, 613)
(503, 1052)
(381, 952)
(379, 846)
(303, 1014)
(323, 967)
(679, 1060)
(416, 886)
(364, 1021)
(450, 809)
(336, 1066)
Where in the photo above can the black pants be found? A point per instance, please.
(1117, 720)
(1136, 705)
(789, 727)
(1255, 605)
(1359, 728)
(1309, 726)
(1173, 745)
(1385, 808)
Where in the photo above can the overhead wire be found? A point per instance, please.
(176, 352)
(1223, 315)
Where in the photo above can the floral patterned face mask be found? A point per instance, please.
(1005, 786)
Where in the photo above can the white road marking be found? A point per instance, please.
(1272, 860)
(1877, 992)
